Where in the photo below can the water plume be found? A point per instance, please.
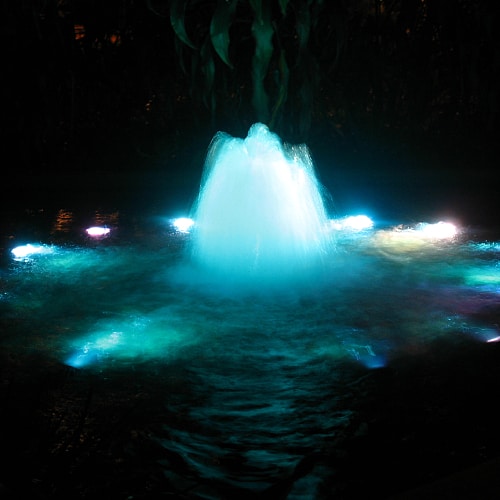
(260, 217)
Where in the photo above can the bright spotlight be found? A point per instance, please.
(24, 252)
(358, 222)
(94, 350)
(416, 238)
(183, 224)
(440, 230)
(97, 231)
(353, 223)
(82, 358)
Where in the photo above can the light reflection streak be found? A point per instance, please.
(63, 222)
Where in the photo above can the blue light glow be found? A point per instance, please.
(366, 355)
(353, 222)
(481, 333)
(260, 215)
(129, 338)
(183, 224)
(25, 252)
(487, 276)
(93, 350)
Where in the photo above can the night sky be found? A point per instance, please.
(397, 101)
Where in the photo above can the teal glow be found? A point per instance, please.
(367, 355)
(487, 276)
(252, 383)
(260, 215)
(128, 339)
(183, 224)
(353, 223)
(26, 252)
(120, 304)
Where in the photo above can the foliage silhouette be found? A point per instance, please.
(133, 76)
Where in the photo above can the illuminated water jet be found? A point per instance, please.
(260, 215)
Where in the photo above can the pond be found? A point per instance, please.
(258, 388)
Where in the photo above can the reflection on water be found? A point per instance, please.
(63, 221)
(265, 375)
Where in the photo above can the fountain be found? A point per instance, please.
(260, 216)
(255, 392)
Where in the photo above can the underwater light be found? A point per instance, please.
(93, 350)
(416, 238)
(131, 338)
(486, 277)
(82, 357)
(25, 251)
(485, 334)
(439, 230)
(97, 231)
(353, 223)
(365, 355)
(183, 224)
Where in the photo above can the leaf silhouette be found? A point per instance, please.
(262, 31)
(283, 6)
(177, 15)
(219, 28)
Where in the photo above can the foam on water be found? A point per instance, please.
(260, 216)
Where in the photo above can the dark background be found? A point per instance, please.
(398, 101)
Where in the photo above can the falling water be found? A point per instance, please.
(260, 216)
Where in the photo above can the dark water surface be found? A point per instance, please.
(328, 391)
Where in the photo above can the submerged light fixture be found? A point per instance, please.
(183, 224)
(416, 238)
(25, 252)
(439, 230)
(98, 231)
(353, 223)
